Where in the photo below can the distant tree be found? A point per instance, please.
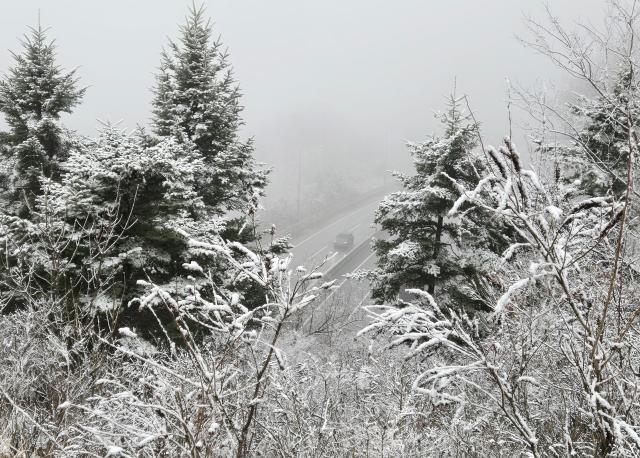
(196, 99)
(424, 248)
(594, 162)
(33, 95)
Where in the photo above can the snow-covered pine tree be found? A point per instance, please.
(33, 95)
(595, 162)
(148, 190)
(145, 192)
(424, 248)
(196, 99)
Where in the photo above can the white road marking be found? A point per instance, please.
(354, 228)
(363, 299)
(364, 262)
(334, 291)
(330, 225)
(318, 252)
(339, 286)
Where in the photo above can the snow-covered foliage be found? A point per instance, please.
(33, 95)
(122, 206)
(68, 264)
(142, 312)
(198, 101)
(117, 168)
(97, 393)
(426, 247)
(594, 161)
(550, 369)
(142, 197)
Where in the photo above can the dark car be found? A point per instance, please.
(343, 241)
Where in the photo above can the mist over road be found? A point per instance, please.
(339, 308)
(312, 249)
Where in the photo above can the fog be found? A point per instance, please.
(331, 87)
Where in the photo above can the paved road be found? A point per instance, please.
(311, 250)
(338, 311)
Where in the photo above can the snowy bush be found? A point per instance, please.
(550, 370)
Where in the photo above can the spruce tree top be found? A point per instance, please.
(196, 101)
(33, 95)
(36, 88)
(430, 192)
(195, 93)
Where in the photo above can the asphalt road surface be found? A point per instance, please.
(339, 310)
(317, 247)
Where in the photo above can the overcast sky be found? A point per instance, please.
(343, 83)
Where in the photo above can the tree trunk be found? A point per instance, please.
(436, 251)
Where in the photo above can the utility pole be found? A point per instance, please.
(386, 157)
(299, 185)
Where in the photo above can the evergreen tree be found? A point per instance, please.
(33, 95)
(595, 163)
(424, 249)
(145, 193)
(197, 103)
(196, 99)
(122, 205)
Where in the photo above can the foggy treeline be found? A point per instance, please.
(152, 304)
